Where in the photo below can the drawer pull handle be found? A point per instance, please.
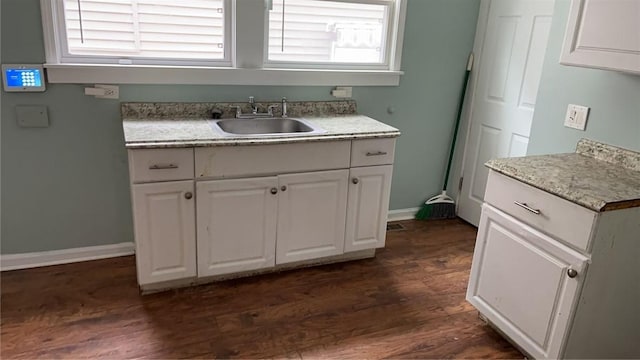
(283, 188)
(274, 191)
(377, 153)
(163, 167)
(188, 195)
(527, 207)
(572, 273)
(355, 181)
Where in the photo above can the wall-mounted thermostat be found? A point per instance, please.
(23, 77)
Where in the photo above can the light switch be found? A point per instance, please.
(32, 116)
(576, 117)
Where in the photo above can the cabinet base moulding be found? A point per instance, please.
(169, 285)
(66, 256)
(402, 214)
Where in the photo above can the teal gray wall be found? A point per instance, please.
(66, 186)
(614, 99)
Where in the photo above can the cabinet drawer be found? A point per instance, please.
(372, 152)
(147, 165)
(562, 219)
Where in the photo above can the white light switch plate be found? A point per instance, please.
(576, 117)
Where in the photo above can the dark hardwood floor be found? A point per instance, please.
(408, 302)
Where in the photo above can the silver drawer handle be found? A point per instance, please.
(377, 153)
(527, 207)
(163, 167)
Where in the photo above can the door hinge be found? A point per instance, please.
(460, 183)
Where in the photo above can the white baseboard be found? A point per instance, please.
(66, 256)
(56, 257)
(402, 214)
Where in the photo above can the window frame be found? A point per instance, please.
(247, 62)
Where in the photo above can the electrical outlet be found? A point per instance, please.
(576, 117)
(110, 91)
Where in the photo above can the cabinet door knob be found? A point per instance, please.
(355, 180)
(283, 188)
(188, 195)
(572, 273)
(274, 191)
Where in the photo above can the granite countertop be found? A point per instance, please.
(597, 176)
(159, 125)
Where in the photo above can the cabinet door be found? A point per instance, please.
(521, 281)
(311, 215)
(603, 34)
(236, 225)
(164, 220)
(369, 190)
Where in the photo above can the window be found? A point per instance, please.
(315, 31)
(142, 31)
(258, 42)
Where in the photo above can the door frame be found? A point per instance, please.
(469, 101)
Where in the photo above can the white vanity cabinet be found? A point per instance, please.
(163, 201)
(311, 215)
(164, 219)
(369, 192)
(367, 208)
(241, 220)
(236, 225)
(522, 282)
(603, 34)
(257, 207)
(540, 266)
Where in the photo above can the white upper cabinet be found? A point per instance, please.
(603, 34)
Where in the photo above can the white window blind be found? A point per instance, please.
(329, 31)
(154, 29)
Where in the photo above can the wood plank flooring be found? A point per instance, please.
(408, 302)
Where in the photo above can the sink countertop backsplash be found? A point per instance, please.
(597, 176)
(162, 125)
(162, 110)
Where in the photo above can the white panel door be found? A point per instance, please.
(369, 189)
(507, 78)
(164, 218)
(520, 281)
(236, 225)
(311, 215)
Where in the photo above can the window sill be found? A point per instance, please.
(137, 74)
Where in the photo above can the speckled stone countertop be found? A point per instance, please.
(597, 176)
(161, 125)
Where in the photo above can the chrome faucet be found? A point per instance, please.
(254, 107)
(254, 110)
(284, 107)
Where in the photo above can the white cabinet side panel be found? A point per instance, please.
(608, 314)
